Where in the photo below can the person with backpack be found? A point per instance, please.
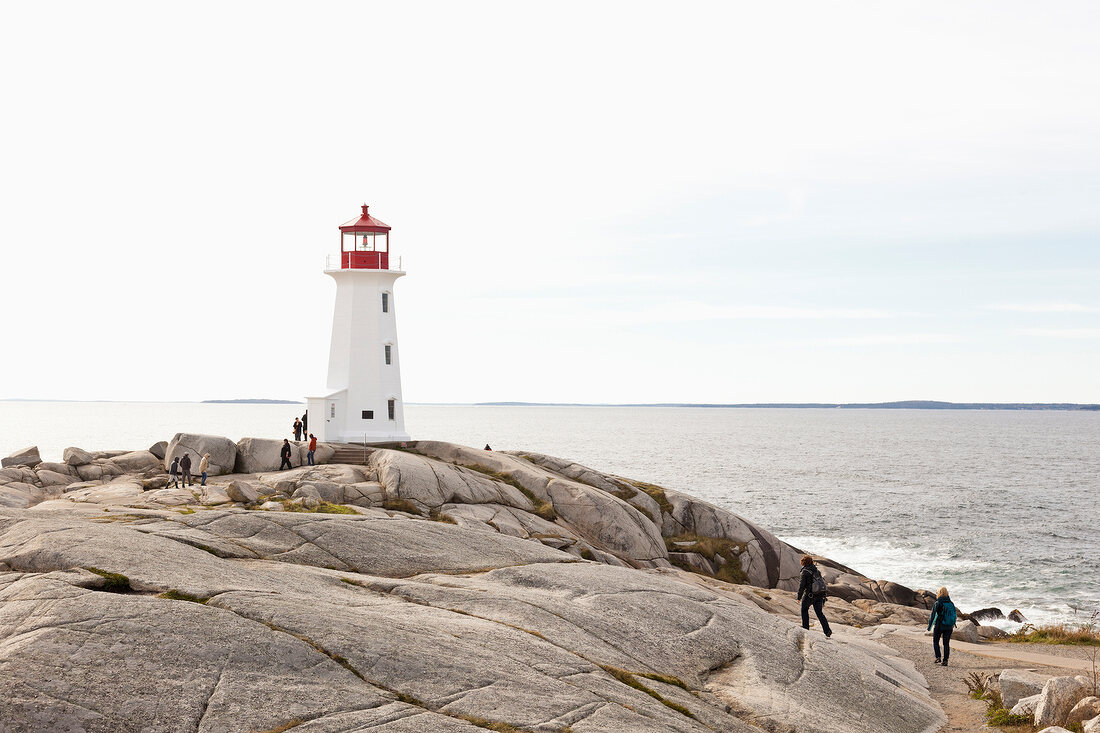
(941, 623)
(173, 473)
(812, 591)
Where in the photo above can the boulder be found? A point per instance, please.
(987, 614)
(91, 472)
(223, 451)
(1026, 705)
(307, 491)
(1085, 709)
(1055, 729)
(159, 449)
(77, 457)
(1017, 684)
(255, 455)
(52, 478)
(242, 491)
(1092, 726)
(991, 632)
(1058, 697)
(25, 457)
(966, 631)
(272, 506)
(62, 468)
(140, 461)
(1016, 616)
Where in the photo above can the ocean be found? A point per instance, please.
(999, 506)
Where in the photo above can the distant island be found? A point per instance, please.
(251, 402)
(900, 405)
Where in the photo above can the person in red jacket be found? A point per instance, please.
(312, 448)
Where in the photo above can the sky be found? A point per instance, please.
(594, 202)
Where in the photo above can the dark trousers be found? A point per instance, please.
(286, 462)
(188, 479)
(945, 634)
(818, 604)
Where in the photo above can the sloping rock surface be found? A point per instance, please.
(122, 618)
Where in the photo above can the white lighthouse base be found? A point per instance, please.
(327, 416)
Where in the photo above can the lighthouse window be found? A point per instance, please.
(389, 354)
(368, 414)
(391, 405)
(385, 302)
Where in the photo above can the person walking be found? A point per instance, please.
(812, 592)
(185, 469)
(297, 429)
(312, 448)
(173, 473)
(941, 623)
(284, 453)
(204, 467)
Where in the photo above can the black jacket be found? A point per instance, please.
(285, 451)
(185, 463)
(806, 584)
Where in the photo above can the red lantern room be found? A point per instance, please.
(365, 244)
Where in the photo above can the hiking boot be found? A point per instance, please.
(945, 662)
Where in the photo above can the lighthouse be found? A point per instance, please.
(363, 404)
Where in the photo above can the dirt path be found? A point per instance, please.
(947, 684)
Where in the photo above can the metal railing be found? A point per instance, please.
(335, 262)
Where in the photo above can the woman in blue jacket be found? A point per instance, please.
(941, 623)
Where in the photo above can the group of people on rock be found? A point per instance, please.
(812, 591)
(181, 466)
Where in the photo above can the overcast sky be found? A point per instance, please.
(595, 202)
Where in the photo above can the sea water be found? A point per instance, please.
(1002, 507)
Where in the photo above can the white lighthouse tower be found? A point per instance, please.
(364, 363)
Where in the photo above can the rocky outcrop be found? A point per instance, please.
(1058, 697)
(253, 620)
(77, 457)
(223, 451)
(25, 457)
(1085, 709)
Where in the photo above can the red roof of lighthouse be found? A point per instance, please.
(365, 223)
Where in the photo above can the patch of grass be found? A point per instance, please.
(401, 505)
(665, 678)
(1001, 716)
(322, 508)
(489, 724)
(712, 547)
(657, 493)
(285, 726)
(542, 509)
(437, 516)
(188, 510)
(628, 679)
(1056, 634)
(116, 582)
(178, 595)
(408, 699)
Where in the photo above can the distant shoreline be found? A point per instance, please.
(902, 405)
